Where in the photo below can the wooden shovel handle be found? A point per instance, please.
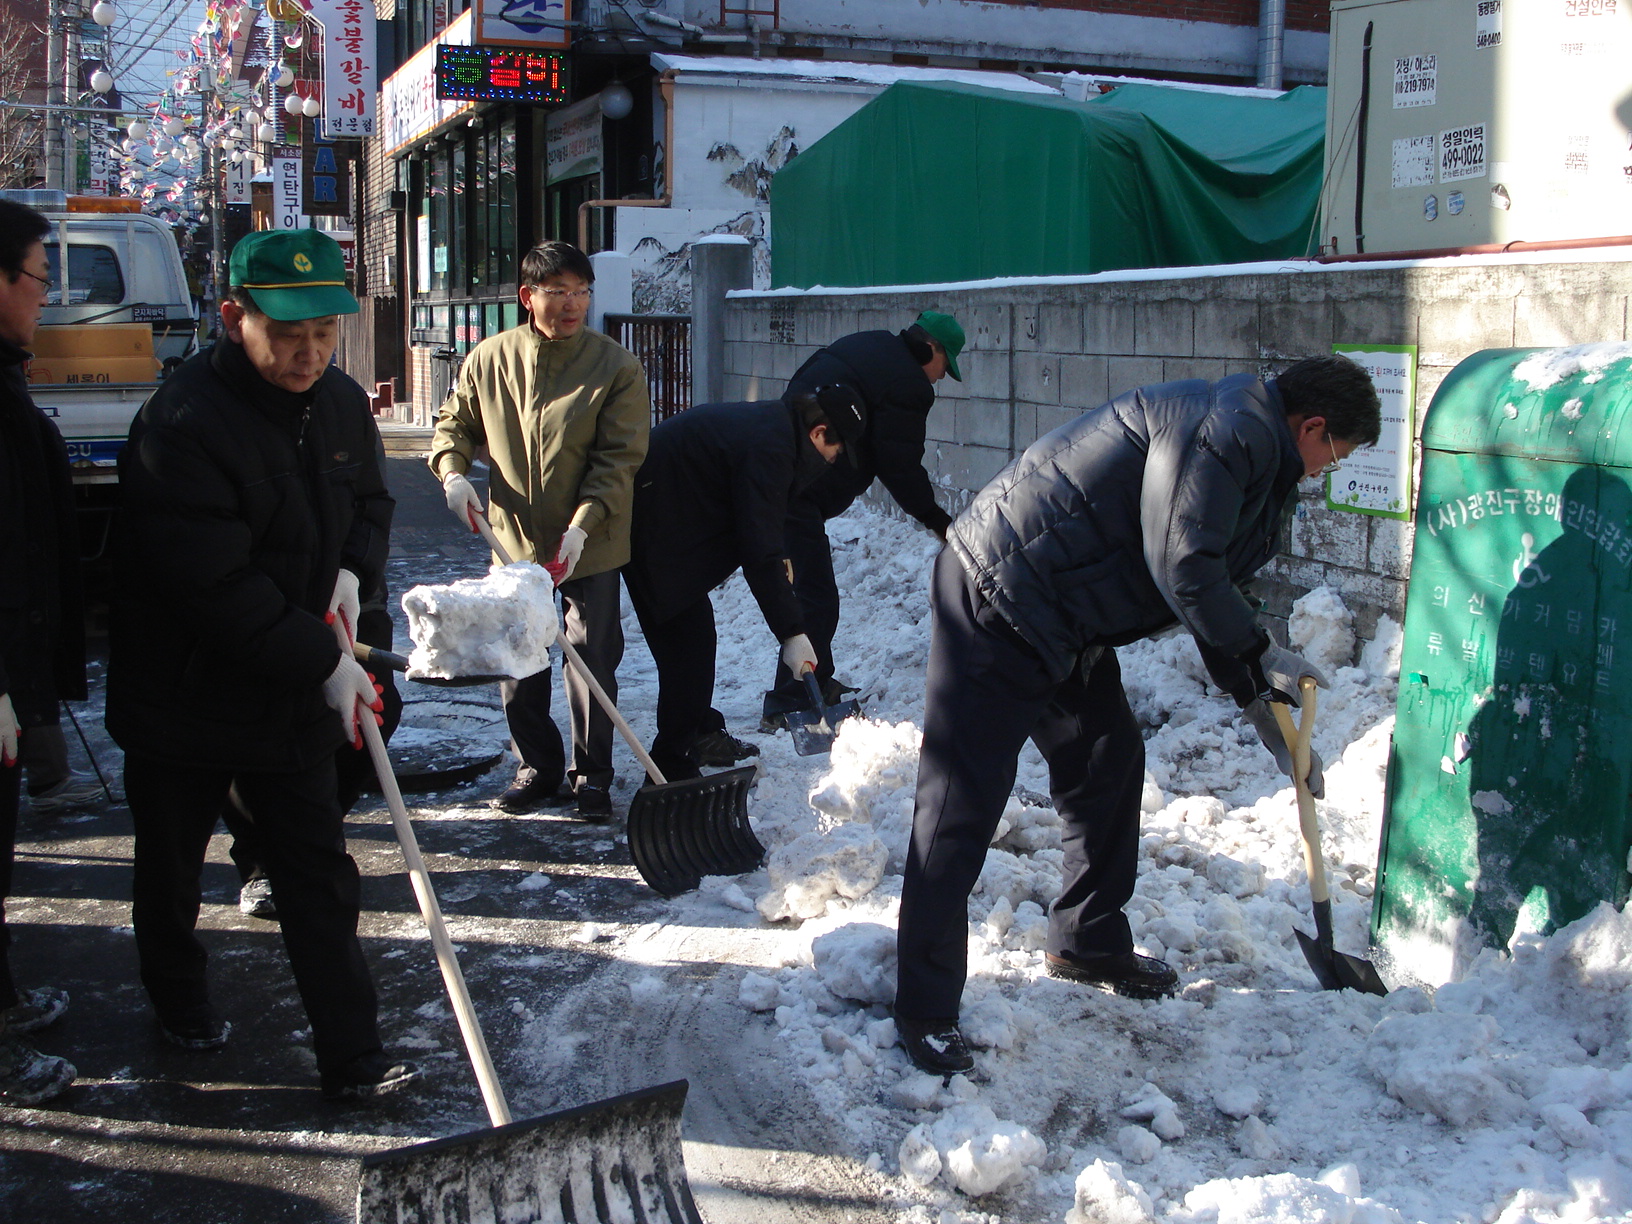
(1297, 738)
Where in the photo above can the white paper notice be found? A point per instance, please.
(1377, 479)
(1487, 23)
(1462, 153)
(1416, 80)
(1414, 161)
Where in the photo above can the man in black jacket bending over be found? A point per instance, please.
(1145, 512)
(894, 377)
(711, 498)
(254, 511)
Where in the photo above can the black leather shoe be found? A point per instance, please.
(935, 1046)
(594, 804)
(533, 796)
(716, 748)
(368, 1075)
(1127, 973)
(199, 1029)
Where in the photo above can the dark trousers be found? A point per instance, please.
(810, 554)
(683, 646)
(11, 779)
(303, 847)
(986, 693)
(592, 621)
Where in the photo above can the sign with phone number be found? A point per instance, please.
(1462, 153)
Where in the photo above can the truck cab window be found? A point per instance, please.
(94, 278)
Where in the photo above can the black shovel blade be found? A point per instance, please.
(813, 731)
(681, 831)
(1336, 970)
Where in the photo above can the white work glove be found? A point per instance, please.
(567, 554)
(347, 685)
(1282, 670)
(799, 655)
(9, 731)
(462, 498)
(1262, 718)
(344, 606)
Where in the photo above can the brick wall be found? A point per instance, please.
(1300, 14)
(1038, 355)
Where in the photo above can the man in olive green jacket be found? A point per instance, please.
(564, 414)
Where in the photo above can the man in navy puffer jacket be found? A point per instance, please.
(1145, 512)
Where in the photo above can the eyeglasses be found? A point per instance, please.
(566, 295)
(1335, 463)
(44, 280)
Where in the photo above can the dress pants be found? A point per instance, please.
(11, 782)
(592, 621)
(303, 851)
(683, 646)
(986, 693)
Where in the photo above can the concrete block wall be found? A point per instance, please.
(1041, 353)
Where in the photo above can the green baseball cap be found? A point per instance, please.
(947, 334)
(292, 274)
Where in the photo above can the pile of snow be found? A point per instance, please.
(1252, 1097)
(500, 625)
(1549, 367)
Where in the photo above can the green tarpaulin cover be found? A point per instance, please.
(942, 182)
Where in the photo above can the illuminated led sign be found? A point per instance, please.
(500, 74)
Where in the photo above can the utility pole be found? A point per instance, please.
(72, 15)
(55, 121)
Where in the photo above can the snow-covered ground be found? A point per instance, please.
(1253, 1096)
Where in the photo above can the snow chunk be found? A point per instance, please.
(1137, 1145)
(1281, 1198)
(1105, 1195)
(500, 625)
(846, 861)
(759, 993)
(1438, 1063)
(1321, 628)
(857, 961)
(978, 1152)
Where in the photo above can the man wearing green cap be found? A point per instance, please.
(894, 375)
(254, 510)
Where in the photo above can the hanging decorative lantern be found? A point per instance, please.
(101, 82)
(293, 104)
(103, 13)
(237, 156)
(235, 132)
(312, 107)
(137, 129)
(174, 127)
(266, 133)
(286, 77)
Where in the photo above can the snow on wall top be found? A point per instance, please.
(832, 71)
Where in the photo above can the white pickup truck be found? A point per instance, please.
(121, 266)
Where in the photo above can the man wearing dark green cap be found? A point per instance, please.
(894, 375)
(254, 510)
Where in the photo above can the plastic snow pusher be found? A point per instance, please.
(604, 1163)
(678, 831)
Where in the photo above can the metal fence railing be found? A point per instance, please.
(663, 344)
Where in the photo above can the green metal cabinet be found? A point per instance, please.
(1511, 767)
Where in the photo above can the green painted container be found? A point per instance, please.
(1511, 768)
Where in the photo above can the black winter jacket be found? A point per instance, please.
(881, 370)
(240, 504)
(1146, 510)
(42, 615)
(713, 496)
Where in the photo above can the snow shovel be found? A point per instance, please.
(813, 730)
(1332, 969)
(678, 831)
(375, 656)
(587, 1164)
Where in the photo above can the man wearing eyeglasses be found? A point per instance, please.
(42, 633)
(564, 414)
(1146, 512)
